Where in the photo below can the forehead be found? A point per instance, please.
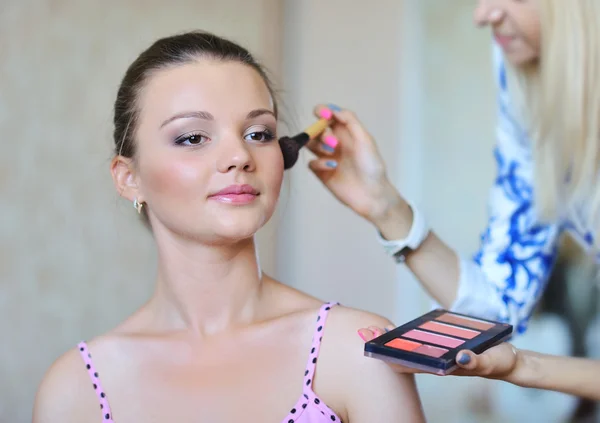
(219, 87)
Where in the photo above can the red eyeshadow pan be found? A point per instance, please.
(450, 330)
(403, 344)
(465, 321)
(432, 338)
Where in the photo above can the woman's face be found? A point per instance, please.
(208, 164)
(515, 25)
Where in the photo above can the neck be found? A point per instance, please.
(206, 288)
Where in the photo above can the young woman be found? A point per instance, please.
(196, 152)
(548, 156)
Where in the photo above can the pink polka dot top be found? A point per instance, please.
(308, 409)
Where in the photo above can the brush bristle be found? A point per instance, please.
(290, 150)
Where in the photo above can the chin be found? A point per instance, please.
(234, 230)
(236, 234)
(521, 59)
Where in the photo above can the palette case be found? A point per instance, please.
(431, 342)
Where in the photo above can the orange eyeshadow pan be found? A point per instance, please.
(403, 344)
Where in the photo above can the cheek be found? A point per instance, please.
(272, 165)
(174, 178)
(531, 29)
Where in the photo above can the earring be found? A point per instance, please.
(138, 205)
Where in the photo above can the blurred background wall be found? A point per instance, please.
(74, 260)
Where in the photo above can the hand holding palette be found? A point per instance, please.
(431, 342)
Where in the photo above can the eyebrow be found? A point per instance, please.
(207, 116)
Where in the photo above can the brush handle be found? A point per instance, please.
(316, 128)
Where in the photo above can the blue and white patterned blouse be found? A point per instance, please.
(507, 276)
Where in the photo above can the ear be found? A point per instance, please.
(124, 177)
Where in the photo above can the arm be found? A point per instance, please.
(370, 390)
(574, 376)
(507, 276)
(65, 393)
(528, 369)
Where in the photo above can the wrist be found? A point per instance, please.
(525, 368)
(392, 216)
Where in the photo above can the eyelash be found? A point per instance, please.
(267, 136)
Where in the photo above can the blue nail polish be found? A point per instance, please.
(387, 330)
(464, 359)
(327, 148)
(331, 163)
(334, 107)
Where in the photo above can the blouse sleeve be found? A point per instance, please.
(506, 277)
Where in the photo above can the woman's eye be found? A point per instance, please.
(260, 136)
(192, 139)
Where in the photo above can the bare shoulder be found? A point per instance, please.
(346, 319)
(343, 324)
(372, 390)
(65, 393)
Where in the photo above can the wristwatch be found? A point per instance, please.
(399, 249)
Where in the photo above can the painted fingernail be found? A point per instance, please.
(334, 107)
(464, 359)
(386, 330)
(361, 336)
(327, 148)
(331, 141)
(325, 114)
(331, 163)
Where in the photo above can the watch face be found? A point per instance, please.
(400, 256)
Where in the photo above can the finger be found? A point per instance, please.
(468, 360)
(351, 121)
(345, 117)
(326, 111)
(323, 145)
(496, 361)
(365, 334)
(377, 331)
(322, 165)
(389, 328)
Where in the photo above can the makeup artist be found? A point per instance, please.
(547, 59)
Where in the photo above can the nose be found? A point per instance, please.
(235, 155)
(487, 12)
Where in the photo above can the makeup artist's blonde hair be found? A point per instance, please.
(560, 100)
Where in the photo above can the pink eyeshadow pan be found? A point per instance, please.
(449, 330)
(431, 351)
(432, 338)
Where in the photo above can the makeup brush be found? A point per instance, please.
(290, 146)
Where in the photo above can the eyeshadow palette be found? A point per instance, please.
(431, 342)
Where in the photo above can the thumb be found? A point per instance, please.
(471, 361)
(498, 361)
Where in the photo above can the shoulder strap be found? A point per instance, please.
(87, 359)
(316, 345)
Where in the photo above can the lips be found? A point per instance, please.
(503, 40)
(236, 194)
